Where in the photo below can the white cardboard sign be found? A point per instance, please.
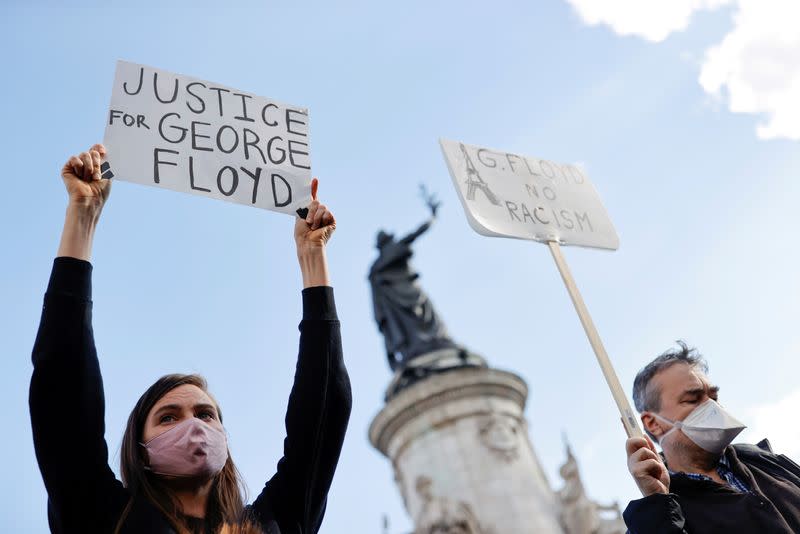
(508, 195)
(177, 132)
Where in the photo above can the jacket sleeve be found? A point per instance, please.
(316, 421)
(67, 407)
(655, 514)
(790, 466)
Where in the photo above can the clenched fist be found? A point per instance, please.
(81, 175)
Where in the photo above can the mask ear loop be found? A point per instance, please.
(676, 425)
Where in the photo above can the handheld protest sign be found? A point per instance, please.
(507, 195)
(177, 132)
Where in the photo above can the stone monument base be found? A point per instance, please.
(431, 363)
(458, 442)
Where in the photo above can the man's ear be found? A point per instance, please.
(652, 425)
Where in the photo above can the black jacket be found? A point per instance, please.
(706, 507)
(67, 415)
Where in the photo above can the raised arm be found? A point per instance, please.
(433, 205)
(66, 391)
(320, 401)
(418, 232)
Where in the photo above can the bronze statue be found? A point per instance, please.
(417, 342)
(404, 313)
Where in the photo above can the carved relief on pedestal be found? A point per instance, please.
(579, 514)
(501, 435)
(400, 482)
(441, 515)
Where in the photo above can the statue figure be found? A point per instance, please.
(417, 342)
(579, 514)
(404, 313)
(440, 515)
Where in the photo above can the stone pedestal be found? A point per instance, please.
(462, 458)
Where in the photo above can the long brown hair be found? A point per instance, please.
(226, 503)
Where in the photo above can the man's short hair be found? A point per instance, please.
(649, 400)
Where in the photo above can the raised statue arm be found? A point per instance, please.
(433, 205)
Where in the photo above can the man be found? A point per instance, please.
(701, 483)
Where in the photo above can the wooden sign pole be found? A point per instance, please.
(628, 420)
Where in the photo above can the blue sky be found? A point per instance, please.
(703, 201)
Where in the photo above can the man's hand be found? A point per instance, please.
(646, 466)
(81, 175)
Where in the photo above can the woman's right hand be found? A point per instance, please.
(88, 192)
(81, 175)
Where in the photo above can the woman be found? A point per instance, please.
(177, 474)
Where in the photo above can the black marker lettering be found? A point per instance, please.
(536, 210)
(275, 191)
(219, 91)
(256, 177)
(155, 90)
(196, 135)
(157, 161)
(234, 181)
(179, 128)
(526, 214)
(114, 114)
(567, 221)
(279, 149)
(528, 165)
(198, 97)
(235, 139)
(264, 115)
(252, 143)
(555, 217)
(542, 164)
(191, 177)
(492, 160)
(293, 151)
(573, 171)
(512, 211)
(244, 116)
(139, 87)
(581, 218)
(510, 162)
(290, 121)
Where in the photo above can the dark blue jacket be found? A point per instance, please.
(706, 507)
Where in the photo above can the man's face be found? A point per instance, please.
(681, 388)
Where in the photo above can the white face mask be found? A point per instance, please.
(708, 425)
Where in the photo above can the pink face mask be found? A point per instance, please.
(191, 448)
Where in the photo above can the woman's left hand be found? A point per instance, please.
(312, 233)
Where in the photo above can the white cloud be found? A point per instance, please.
(758, 66)
(777, 422)
(653, 20)
(754, 69)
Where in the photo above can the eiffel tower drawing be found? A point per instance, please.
(474, 181)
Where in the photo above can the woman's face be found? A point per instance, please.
(178, 405)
